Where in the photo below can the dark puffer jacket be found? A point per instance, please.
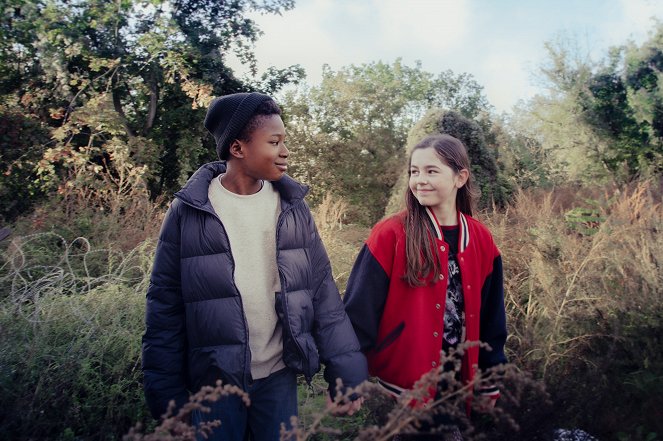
(196, 330)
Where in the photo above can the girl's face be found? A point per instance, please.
(433, 182)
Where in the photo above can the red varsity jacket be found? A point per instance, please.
(400, 328)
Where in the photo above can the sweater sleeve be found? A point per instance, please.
(164, 341)
(336, 340)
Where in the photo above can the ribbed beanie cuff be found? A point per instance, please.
(228, 115)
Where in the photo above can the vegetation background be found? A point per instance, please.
(101, 110)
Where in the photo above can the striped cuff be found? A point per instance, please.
(393, 390)
(492, 392)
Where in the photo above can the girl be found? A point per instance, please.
(430, 277)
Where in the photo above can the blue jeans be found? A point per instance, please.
(273, 401)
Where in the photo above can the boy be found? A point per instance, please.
(241, 288)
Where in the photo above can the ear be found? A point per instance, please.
(461, 177)
(236, 149)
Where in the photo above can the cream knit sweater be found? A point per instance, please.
(250, 222)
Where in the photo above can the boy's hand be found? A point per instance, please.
(344, 409)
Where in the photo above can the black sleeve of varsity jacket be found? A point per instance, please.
(493, 318)
(365, 297)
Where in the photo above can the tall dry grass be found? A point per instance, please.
(584, 298)
(558, 278)
(341, 241)
(108, 203)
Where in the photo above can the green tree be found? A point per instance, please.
(139, 72)
(348, 135)
(599, 120)
(609, 113)
(494, 188)
(565, 147)
(22, 138)
(643, 78)
(522, 160)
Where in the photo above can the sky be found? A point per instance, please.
(499, 42)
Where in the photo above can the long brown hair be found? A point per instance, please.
(421, 253)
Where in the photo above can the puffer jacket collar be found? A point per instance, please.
(195, 190)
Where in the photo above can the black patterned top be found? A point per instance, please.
(454, 308)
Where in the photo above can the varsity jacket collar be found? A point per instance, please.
(463, 237)
(195, 190)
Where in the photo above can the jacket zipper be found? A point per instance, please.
(247, 351)
(305, 360)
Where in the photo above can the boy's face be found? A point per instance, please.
(265, 156)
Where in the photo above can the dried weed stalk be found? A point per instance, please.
(415, 410)
(178, 426)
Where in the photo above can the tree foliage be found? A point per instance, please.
(348, 135)
(600, 120)
(521, 158)
(22, 138)
(139, 72)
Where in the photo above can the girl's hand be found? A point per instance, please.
(486, 403)
(344, 409)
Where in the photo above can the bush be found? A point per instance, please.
(70, 340)
(342, 241)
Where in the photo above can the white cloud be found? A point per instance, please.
(422, 25)
(505, 79)
(296, 37)
(499, 44)
(635, 21)
(340, 33)
(640, 11)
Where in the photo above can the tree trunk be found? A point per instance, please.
(152, 110)
(117, 103)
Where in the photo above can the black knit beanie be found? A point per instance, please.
(227, 115)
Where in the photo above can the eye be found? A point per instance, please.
(414, 172)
